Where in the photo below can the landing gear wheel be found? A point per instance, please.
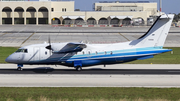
(19, 69)
(78, 68)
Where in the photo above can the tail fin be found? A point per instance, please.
(156, 35)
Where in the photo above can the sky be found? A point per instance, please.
(168, 6)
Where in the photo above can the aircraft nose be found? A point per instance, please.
(10, 59)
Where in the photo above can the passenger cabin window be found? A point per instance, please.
(22, 51)
(46, 53)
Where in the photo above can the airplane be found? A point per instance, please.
(79, 54)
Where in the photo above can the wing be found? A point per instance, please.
(72, 47)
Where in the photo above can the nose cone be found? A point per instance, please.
(10, 59)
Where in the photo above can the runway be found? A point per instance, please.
(121, 75)
(97, 71)
(118, 69)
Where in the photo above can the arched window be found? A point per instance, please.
(103, 21)
(30, 15)
(43, 16)
(55, 21)
(91, 21)
(67, 21)
(79, 21)
(126, 22)
(7, 19)
(114, 21)
(18, 16)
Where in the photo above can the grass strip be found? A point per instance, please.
(92, 94)
(5, 52)
(165, 58)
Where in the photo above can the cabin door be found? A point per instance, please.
(44, 54)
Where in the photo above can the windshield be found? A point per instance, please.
(22, 51)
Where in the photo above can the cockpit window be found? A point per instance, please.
(25, 51)
(19, 50)
(22, 51)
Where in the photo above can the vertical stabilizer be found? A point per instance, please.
(156, 35)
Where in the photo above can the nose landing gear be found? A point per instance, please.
(19, 67)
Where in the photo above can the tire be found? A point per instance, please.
(19, 69)
(78, 68)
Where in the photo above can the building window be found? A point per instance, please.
(52, 9)
(63, 9)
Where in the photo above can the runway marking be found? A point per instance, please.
(124, 36)
(3, 34)
(173, 71)
(21, 30)
(28, 38)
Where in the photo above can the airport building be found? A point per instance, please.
(63, 13)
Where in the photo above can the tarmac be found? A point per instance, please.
(120, 75)
(18, 35)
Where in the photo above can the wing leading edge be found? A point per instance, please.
(71, 47)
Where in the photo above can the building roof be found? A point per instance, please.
(124, 2)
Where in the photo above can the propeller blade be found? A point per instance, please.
(49, 46)
(49, 41)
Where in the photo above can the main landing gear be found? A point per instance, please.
(19, 67)
(78, 68)
(78, 65)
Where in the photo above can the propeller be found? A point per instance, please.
(49, 46)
